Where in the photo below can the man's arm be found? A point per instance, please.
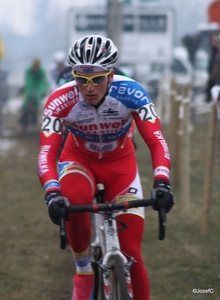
(151, 132)
(50, 141)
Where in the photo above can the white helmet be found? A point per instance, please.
(92, 53)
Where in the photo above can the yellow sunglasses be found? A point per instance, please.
(95, 80)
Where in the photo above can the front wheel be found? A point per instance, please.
(118, 285)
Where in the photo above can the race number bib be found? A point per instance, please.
(51, 125)
(147, 113)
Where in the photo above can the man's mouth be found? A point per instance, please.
(91, 96)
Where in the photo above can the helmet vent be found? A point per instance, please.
(93, 49)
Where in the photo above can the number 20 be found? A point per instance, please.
(149, 113)
(51, 124)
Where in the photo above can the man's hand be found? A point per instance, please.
(161, 196)
(57, 206)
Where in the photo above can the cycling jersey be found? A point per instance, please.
(102, 133)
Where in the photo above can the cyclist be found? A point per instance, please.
(67, 75)
(99, 107)
(35, 87)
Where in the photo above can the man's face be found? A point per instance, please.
(36, 66)
(92, 94)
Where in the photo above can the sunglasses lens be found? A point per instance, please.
(98, 79)
(81, 80)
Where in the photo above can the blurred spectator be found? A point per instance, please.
(3, 85)
(58, 66)
(65, 76)
(214, 64)
(2, 48)
(36, 85)
(191, 43)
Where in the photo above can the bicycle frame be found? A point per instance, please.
(110, 260)
(106, 238)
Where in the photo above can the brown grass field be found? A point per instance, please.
(32, 267)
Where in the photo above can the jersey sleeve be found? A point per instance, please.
(50, 142)
(134, 97)
(56, 109)
(153, 137)
(148, 124)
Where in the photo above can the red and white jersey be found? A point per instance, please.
(102, 133)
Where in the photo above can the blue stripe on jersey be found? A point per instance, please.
(51, 184)
(108, 137)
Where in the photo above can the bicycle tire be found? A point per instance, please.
(96, 256)
(119, 286)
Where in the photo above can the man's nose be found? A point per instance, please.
(90, 86)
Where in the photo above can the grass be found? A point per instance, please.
(186, 259)
(33, 267)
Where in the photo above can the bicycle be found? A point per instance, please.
(29, 112)
(111, 268)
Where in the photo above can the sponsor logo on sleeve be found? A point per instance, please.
(60, 103)
(161, 170)
(160, 137)
(42, 160)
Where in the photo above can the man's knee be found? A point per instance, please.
(77, 188)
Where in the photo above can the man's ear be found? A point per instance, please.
(111, 75)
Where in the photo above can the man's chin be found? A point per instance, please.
(92, 101)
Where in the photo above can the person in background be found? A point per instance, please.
(214, 64)
(58, 65)
(99, 107)
(35, 87)
(2, 48)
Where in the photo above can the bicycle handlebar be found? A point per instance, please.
(109, 206)
(94, 208)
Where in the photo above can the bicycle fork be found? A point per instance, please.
(108, 266)
(108, 237)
